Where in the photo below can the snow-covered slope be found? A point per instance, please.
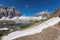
(3, 28)
(22, 18)
(33, 30)
(5, 18)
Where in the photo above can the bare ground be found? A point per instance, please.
(50, 33)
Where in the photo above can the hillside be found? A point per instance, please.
(50, 33)
(33, 30)
(55, 13)
(39, 31)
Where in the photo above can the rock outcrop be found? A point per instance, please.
(8, 12)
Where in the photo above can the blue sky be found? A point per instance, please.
(31, 7)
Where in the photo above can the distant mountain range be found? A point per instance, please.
(43, 14)
(12, 14)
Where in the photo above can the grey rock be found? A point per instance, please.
(9, 12)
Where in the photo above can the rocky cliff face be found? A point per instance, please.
(8, 12)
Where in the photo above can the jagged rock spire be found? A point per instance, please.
(8, 11)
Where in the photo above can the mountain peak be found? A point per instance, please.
(43, 13)
(8, 11)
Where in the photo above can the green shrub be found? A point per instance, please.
(1, 33)
(36, 21)
(25, 26)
